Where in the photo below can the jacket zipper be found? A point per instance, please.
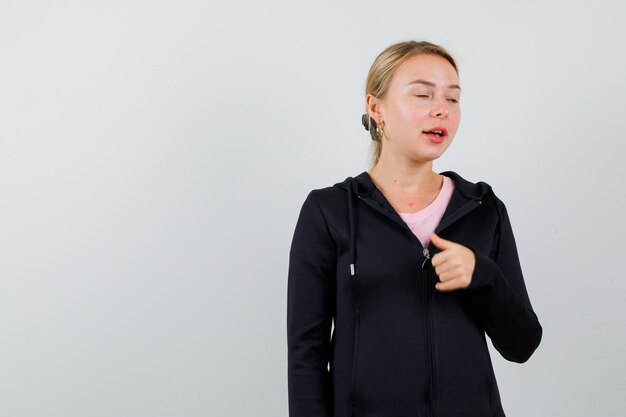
(430, 342)
(456, 215)
(355, 354)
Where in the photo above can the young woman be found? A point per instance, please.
(414, 267)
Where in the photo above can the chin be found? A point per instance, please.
(426, 157)
(434, 153)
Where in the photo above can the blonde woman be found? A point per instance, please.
(414, 267)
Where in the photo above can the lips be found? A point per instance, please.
(436, 134)
(438, 131)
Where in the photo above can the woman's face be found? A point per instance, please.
(423, 95)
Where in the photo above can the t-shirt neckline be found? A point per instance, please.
(432, 203)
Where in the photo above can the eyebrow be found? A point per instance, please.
(433, 84)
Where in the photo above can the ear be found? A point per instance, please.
(374, 107)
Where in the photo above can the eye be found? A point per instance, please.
(453, 100)
(422, 95)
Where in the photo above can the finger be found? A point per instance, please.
(450, 285)
(450, 257)
(441, 242)
(445, 271)
(443, 286)
(438, 242)
(439, 258)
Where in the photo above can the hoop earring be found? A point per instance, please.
(379, 132)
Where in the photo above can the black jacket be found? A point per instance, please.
(400, 347)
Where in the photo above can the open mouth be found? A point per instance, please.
(437, 131)
(437, 134)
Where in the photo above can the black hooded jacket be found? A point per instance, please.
(400, 347)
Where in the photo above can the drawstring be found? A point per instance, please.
(352, 228)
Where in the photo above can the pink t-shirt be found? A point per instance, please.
(424, 222)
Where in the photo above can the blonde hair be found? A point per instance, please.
(379, 77)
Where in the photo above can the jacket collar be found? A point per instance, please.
(364, 186)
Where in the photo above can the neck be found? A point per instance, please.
(405, 179)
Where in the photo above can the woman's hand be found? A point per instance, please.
(454, 264)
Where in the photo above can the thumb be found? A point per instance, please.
(440, 242)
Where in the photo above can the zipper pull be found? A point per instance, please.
(426, 256)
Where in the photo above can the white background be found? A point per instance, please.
(154, 157)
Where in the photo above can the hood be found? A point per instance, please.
(362, 186)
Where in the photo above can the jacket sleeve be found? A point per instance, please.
(310, 310)
(498, 294)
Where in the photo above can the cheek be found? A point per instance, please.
(409, 112)
(455, 117)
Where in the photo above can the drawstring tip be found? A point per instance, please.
(351, 269)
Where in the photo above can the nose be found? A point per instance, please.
(440, 108)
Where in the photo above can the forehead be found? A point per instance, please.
(428, 67)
